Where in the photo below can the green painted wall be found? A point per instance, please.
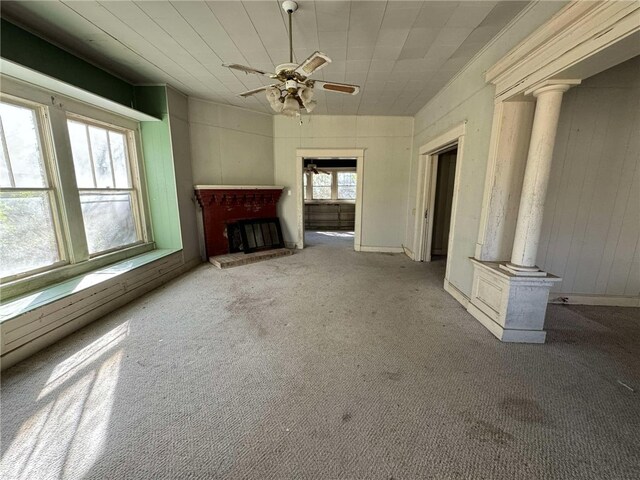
(159, 166)
(24, 48)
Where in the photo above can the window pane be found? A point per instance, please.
(27, 233)
(322, 193)
(80, 152)
(22, 139)
(346, 185)
(304, 185)
(5, 180)
(346, 178)
(346, 192)
(101, 157)
(322, 186)
(321, 180)
(117, 142)
(108, 220)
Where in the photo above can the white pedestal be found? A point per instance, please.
(512, 307)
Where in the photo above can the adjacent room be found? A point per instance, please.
(327, 239)
(330, 198)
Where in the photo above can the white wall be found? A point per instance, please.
(387, 143)
(230, 145)
(468, 98)
(591, 221)
(181, 149)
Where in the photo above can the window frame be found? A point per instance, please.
(51, 189)
(331, 186)
(308, 192)
(56, 109)
(134, 173)
(337, 183)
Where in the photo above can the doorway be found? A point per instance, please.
(440, 161)
(443, 201)
(329, 196)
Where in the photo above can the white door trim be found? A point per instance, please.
(358, 154)
(426, 179)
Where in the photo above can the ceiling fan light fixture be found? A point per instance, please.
(274, 96)
(291, 106)
(310, 106)
(306, 95)
(294, 90)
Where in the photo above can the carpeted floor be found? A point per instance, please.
(328, 364)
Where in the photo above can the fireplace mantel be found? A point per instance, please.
(225, 204)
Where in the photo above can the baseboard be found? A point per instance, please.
(455, 293)
(364, 248)
(408, 252)
(587, 299)
(503, 334)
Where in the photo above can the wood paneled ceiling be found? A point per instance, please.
(400, 52)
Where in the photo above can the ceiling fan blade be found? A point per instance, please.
(256, 90)
(315, 62)
(246, 69)
(339, 87)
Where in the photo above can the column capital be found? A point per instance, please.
(552, 86)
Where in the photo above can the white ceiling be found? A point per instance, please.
(400, 52)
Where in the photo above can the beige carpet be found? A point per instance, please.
(328, 364)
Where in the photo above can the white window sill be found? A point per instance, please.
(46, 295)
(39, 281)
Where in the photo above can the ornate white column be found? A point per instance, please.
(511, 299)
(536, 177)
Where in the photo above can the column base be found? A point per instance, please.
(522, 271)
(511, 306)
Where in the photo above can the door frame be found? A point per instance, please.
(322, 153)
(426, 191)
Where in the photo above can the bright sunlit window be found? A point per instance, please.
(346, 185)
(304, 186)
(28, 234)
(107, 196)
(322, 186)
(335, 185)
(70, 194)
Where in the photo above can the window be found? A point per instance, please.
(103, 176)
(29, 239)
(337, 185)
(304, 185)
(346, 185)
(322, 186)
(69, 189)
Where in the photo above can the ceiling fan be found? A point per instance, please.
(312, 169)
(294, 89)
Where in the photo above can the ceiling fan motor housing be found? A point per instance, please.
(286, 67)
(291, 86)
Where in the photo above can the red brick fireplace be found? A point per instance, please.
(226, 204)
